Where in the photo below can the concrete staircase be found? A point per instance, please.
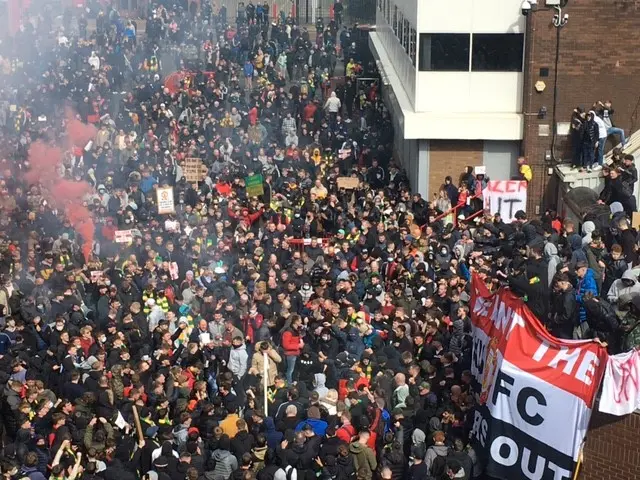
(632, 147)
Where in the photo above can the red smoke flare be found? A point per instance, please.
(46, 161)
(78, 133)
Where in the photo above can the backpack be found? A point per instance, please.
(289, 471)
(439, 465)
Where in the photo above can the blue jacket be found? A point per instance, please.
(319, 426)
(274, 437)
(147, 184)
(248, 69)
(585, 284)
(32, 473)
(5, 343)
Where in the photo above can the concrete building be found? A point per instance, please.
(475, 82)
(453, 79)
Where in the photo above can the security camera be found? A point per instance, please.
(525, 8)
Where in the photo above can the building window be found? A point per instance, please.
(405, 36)
(444, 52)
(412, 46)
(388, 14)
(395, 20)
(497, 52)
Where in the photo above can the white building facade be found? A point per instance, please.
(453, 78)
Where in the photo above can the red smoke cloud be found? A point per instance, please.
(46, 161)
(78, 133)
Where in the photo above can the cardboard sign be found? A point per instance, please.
(635, 220)
(193, 169)
(123, 236)
(254, 185)
(505, 197)
(348, 183)
(164, 199)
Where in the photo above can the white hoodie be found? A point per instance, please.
(602, 128)
(333, 103)
(94, 61)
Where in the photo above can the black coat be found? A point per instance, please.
(242, 443)
(302, 457)
(564, 313)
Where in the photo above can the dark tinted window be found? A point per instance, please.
(444, 52)
(497, 52)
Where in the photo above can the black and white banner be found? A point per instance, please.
(535, 392)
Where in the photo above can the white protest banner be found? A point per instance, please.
(621, 385)
(535, 392)
(96, 275)
(164, 198)
(505, 197)
(123, 236)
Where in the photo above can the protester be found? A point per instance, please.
(138, 345)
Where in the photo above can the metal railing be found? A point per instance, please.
(454, 210)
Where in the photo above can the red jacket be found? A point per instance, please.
(309, 112)
(346, 433)
(291, 343)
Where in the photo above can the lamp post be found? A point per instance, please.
(540, 161)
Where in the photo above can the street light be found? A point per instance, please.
(560, 20)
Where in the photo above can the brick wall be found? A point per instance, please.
(450, 157)
(612, 450)
(598, 61)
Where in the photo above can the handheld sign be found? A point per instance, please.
(254, 185)
(164, 198)
(123, 236)
(193, 169)
(348, 183)
(505, 197)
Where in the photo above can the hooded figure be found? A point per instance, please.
(587, 229)
(551, 254)
(443, 257)
(238, 359)
(364, 460)
(225, 462)
(418, 437)
(274, 437)
(94, 61)
(400, 395)
(577, 252)
(319, 380)
(628, 285)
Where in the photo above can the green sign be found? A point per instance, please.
(254, 185)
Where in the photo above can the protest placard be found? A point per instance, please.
(348, 183)
(193, 169)
(164, 198)
(123, 236)
(505, 197)
(254, 185)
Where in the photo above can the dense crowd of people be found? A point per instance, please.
(149, 358)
